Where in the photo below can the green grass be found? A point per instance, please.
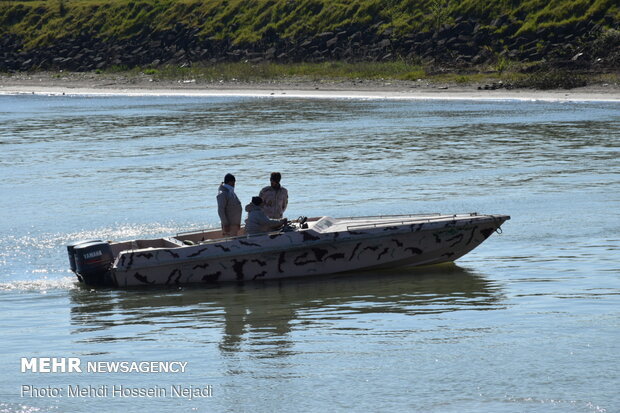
(386, 71)
(247, 72)
(312, 72)
(248, 21)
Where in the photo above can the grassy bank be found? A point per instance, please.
(534, 42)
(251, 21)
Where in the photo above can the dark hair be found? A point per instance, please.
(276, 176)
(257, 200)
(229, 177)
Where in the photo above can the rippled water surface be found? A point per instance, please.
(530, 321)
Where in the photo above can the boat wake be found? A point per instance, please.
(36, 260)
(41, 285)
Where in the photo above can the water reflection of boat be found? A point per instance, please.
(268, 311)
(309, 247)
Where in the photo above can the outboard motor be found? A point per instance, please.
(93, 261)
(71, 251)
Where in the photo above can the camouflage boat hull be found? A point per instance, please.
(327, 245)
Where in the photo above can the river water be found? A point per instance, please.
(529, 321)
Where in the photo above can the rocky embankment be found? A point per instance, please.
(465, 43)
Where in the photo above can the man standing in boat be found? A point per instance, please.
(229, 207)
(275, 197)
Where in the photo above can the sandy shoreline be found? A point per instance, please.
(108, 85)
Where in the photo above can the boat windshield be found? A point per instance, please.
(323, 223)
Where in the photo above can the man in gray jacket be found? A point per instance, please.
(229, 207)
(275, 197)
(257, 222)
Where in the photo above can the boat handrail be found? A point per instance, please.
(415, 218)
(195, 231)
(214, 240)
(393, 216)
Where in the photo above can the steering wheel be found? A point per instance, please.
(297, 224)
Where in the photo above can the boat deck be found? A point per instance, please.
(328, 224)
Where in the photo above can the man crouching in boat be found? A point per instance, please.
(257, 222)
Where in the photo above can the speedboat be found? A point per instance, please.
(304, 247)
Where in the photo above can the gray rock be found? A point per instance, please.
(384, 43)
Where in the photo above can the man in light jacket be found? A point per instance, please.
(229, 207)
(257, 222)
(275, 197)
